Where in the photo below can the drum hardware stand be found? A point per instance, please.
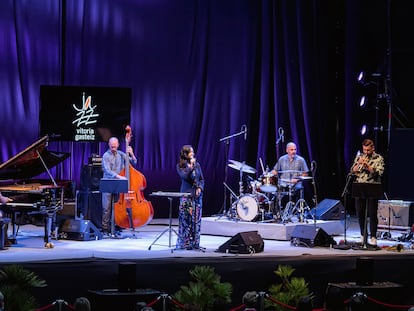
(290, 205)
(230, 212)
(301, 206)
(387, 235)
(226, 139)
(262, 210)
(241, 182)
(277, 206)
(315, 196)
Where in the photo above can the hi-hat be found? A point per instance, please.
(288, 181)
(266, 175)
(289, 171)
(241, 166)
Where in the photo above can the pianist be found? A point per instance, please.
(4, 199)
(3, 236)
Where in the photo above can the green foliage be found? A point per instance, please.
(15, 284)
(289, 291)
(205, 292)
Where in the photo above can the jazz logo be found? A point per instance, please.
(86, 114)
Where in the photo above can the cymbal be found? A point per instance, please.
(304, 177)
(241, 166)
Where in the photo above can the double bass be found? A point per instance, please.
(132, 210)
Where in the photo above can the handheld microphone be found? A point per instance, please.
(281, 137)
(281, 134)
(244, 129)
(192, 162)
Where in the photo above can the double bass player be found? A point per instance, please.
(113, 163)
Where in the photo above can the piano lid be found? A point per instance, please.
(28, 163)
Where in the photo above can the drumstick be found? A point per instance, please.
(261, 164)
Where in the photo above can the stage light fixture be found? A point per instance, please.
(363, 102)
(364, 129)
(367, 129)
(361, 77)
(364, 78)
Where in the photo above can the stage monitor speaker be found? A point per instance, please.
(309, 236)
(249, 242)
(328, 209)
(90, 177)
(79, 230)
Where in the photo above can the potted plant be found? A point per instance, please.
(15, 284)
(205, 292)
(289, 291)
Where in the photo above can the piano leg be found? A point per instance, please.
(48, 226)
(3, 232)
(13, 237)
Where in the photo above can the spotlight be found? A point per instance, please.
(365, 78)
(363, 102)
(361, 77)
(369, 129)
(364, 129)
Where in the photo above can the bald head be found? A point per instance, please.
(113, 144)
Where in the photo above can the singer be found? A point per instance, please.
(190, 209)
(368, 167)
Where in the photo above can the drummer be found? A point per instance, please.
(291, 167)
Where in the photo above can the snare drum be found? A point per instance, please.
(268, 183)
(254, 186)
(247, 207)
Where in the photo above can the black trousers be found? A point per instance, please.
(360, 206)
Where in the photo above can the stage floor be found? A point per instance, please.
(215, 231)
(74, 268)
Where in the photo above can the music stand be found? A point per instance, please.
(366, 191)
(170, 196)
(113, 186)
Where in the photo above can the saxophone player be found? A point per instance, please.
(368, 167)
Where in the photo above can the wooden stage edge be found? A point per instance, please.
(268, 230)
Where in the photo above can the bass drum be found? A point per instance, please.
(247, 207)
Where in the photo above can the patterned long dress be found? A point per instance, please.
(190, 209)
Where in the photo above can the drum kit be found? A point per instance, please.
(269, 198)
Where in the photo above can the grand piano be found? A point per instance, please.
(39, 197)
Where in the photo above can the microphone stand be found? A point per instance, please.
(226, 139)
(344, 195)
(315, 196)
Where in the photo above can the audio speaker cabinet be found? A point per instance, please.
(395, 213)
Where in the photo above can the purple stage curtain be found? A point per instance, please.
(199, 70)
